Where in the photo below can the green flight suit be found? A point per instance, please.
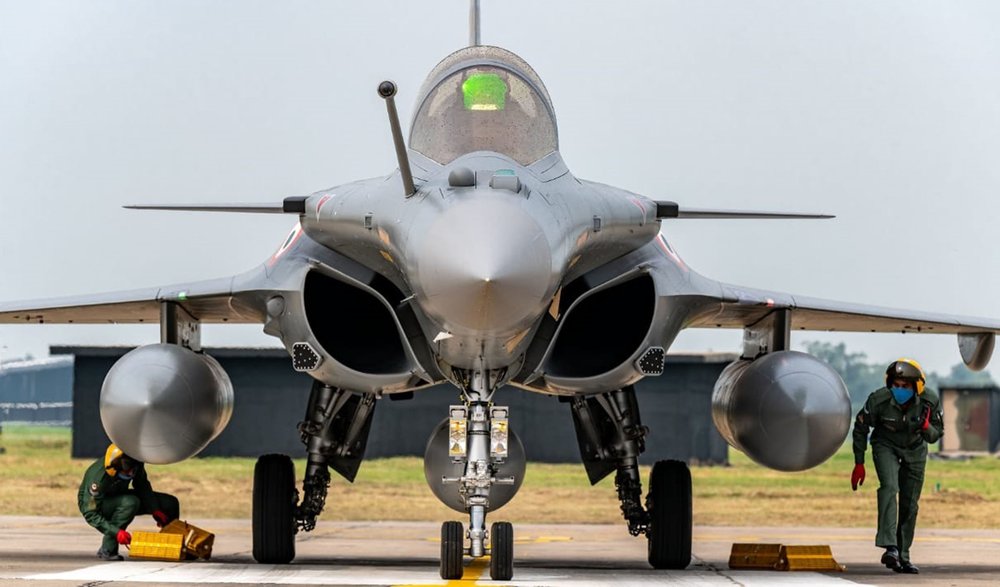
(899, 450)
(109, 505)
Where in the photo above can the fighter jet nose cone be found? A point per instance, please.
(485, 265)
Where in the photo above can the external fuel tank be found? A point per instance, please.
(163, 403)
(787, 410)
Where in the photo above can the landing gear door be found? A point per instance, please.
(590, 420)
(350, 428)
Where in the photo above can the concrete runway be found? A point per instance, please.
(38, 551)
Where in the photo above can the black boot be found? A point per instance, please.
(109, 556)
(891, 558)
(907, 567)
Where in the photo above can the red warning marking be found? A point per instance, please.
(670, 252)
(289, 241)
(639, 204)
(321, 202)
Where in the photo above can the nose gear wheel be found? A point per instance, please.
(452, 550)
(501, 551)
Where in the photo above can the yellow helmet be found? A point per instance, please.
(907, 369)
(116, 461)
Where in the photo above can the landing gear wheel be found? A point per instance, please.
(452, 549)
(669, 507)
(274, 510)
(501, 551)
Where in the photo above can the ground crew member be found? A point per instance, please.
(108, 504)
(903, 417)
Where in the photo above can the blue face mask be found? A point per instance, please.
(124, 476)
(902, 394)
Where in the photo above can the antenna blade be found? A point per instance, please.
(474, 23)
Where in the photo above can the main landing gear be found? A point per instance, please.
(474, 464)
(611, 438)
(335, 432)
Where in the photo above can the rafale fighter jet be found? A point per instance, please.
(482, 261)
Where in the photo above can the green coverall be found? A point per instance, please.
(899, 450)
(109, 505)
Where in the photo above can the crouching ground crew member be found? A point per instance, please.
(903, 417)
(108, 504)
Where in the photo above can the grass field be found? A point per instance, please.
(37, 477)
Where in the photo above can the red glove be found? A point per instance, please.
(858, 476)
(124, 537)
(927, 419)
(161, 517)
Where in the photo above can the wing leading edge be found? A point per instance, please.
(743, 307)
(213, 301)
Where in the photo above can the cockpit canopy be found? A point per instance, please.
(484, 99)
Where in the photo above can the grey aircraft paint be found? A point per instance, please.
(500, 267)
(479, 259)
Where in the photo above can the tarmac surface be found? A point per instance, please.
(42, 551)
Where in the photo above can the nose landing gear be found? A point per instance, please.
(501, 551)
(479, 442)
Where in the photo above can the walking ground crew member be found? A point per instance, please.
(903, 417)
(108, 504)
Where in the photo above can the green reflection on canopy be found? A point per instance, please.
(484, 91)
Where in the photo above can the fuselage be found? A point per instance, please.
(497, 225)
(483, 247)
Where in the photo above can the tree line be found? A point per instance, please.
(863, 377)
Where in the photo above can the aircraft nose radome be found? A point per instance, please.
(484, 266)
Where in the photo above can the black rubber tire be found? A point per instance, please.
(669, 506)
(452, 550)
(501, 551)
(274, 510)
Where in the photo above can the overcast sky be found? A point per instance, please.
(885, 113)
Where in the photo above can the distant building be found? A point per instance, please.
(971, 418)
(271, 400)
(38, 391)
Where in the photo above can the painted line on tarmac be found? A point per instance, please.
(220, 573)
(215, 573)
(812, 538)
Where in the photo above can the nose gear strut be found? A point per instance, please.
(478, 438)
